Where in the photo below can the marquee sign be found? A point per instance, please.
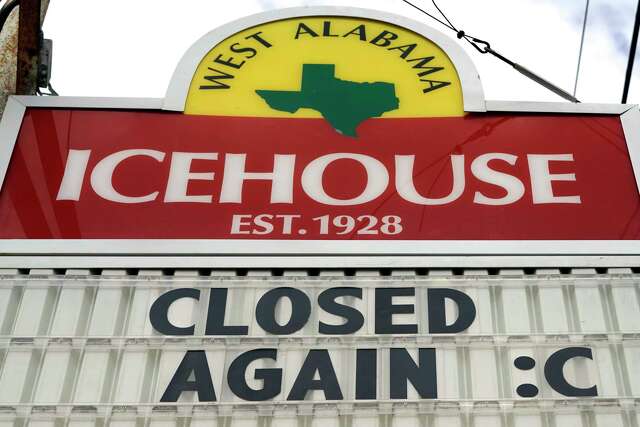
(127, 347)
(319, 131)
(422, 366)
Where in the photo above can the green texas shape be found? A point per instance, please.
(342, 103)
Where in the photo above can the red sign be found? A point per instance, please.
(91, 174)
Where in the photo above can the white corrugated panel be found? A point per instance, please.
(80, 350)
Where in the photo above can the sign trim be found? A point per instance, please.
(316, 247)
(263, 262)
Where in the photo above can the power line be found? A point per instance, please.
(584, 28)
(484, 47)
(444, 16)
(632, 55)
(6, 10)
(459, 34)
(429, 15)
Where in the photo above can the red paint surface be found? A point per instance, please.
(605, 179)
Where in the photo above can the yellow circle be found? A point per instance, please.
(272, 57)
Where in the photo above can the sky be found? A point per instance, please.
(129, 48)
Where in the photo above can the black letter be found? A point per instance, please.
(434, 85)
(366, 374)
(159, 313)
(423, 377)
(306, 29)
(214, 79)
(405, 49)
(193, 362)
(237, 48)
(271, 378)
(385, 37)
(421, 65)
(326, 30)
(553, 372)
(257, 37)
(266, 311)
(438, 317)
(355, 319)
(215, 317)
(320, 362)
(385, 311)
(360, 30)
(228, 62)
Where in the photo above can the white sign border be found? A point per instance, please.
(11, 249)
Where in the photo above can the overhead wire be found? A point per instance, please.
(444, 16)
(428, 14)
(632, 55)
(6, 9)
(448, 23)
(484, 47)
(584, 28)
(460, 34)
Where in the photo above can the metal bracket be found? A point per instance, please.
(44, 63)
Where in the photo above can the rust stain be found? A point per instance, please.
(8, 54)
(8, 62)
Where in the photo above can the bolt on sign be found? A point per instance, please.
(325, 137)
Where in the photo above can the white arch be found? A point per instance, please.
(176, 95)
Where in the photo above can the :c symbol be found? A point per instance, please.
(555, 377)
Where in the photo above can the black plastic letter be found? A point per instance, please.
(194, 362)
(216, 313)
(266, 311)
(159, 313)
(385, 311)
(366, 373)
(272, 378)
(320, 362)
(423, 376)
(437, 315)
(354, 319)
(553, 372)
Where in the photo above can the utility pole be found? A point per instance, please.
(9, 41)
(29, 35)
(8, 50)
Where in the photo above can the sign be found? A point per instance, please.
(119, 343)
(323, 138)
(279, 132)
(484, 178)
(416, 364)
